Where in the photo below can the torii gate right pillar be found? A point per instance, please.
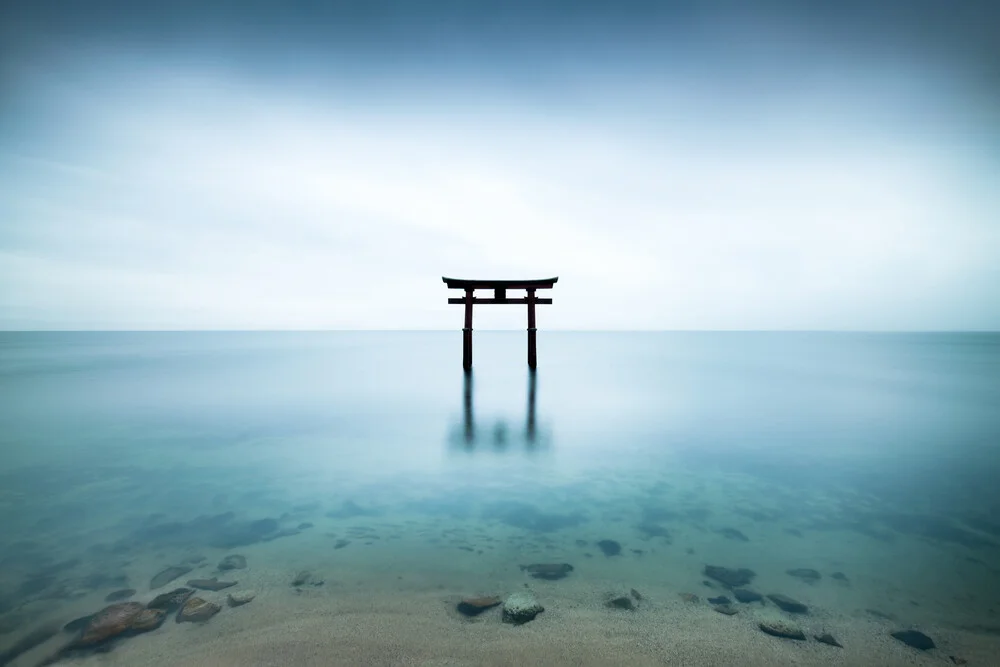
(532, 350)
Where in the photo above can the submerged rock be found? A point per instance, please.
(827, 638)
(233, 562)
(175, 599)
(212, 584)
(148, 619)
(781, 629)
(724, 609)
(620, 602)
(240, 598)
(78, 624)
(788, 604)
(520, 608)
(306, 578)
(548, 571)
(164, 577)
(109, 622)
(689, 597)
(197, 610)
(609, 547)
(476, 606)
(806, 574)
(733, 534)
(914, 638)
(746, 596)
(730, 577)
(720, 599)
(651, 529)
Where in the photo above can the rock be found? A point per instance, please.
(148, 619)
(781, 629)
(729, 577)
(78, 624)
(609, 547)
(733, 534)
(955, 660)
(620, 602)
(721, 599)
(914, 638)
(840, 576)
(476, 606)
(805, 574)
(306, 578)
(827, 638)
(166, 576)
(689, 597)
(520, 608)
(119, 595)
(635, 594)
(232, 562)
(548, 571)
(341, 543)
(788, 604)
(746, 596)
(724, 609)
(197, 610)
(175, 599)
(240, 598)
(212, 584)
(304, 525)
(109, 622)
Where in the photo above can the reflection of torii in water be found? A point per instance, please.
(500, 431)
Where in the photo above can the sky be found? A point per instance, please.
(321, 165)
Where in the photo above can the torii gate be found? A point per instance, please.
(499, 288)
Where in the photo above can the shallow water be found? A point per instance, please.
(872, 455)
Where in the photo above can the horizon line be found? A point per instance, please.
(451, 330)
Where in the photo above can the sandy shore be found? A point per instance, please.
(336, 625)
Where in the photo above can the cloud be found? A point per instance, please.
(155, 194)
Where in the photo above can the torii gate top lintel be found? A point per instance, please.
(539, 283)
(499, 288)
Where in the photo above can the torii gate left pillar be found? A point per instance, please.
(499, 288)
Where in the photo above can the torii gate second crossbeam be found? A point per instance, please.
(499, 288)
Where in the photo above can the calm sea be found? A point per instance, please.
(756, 448)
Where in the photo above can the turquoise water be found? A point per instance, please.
(872, 455)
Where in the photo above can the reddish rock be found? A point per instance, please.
(148, 619)
(110, 622)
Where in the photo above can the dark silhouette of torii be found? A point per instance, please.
(499, 288)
